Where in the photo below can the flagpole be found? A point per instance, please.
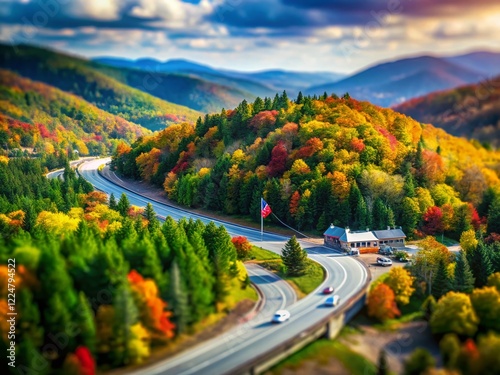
(261, 221)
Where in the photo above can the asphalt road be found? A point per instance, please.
(222, 354)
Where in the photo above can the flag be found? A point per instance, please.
(265, 210)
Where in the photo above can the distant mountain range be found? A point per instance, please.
(391, 83)
(385, 84)
(263, 83)
(471, 111)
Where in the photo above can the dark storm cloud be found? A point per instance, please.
(276, 14)
(53, 14)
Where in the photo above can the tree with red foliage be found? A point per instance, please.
(433, 220)
(382, 303)
(277, 165)
(294, 203)
(87, 364)
(312, 146)
(263, 120)
(475, 220)
(242, 245)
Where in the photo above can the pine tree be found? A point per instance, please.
(112, 202)
(123, 205)
(126, 315)
(441, 282)
(294, 258)
(258, 106)
(83, 317)
(480, 264)
(179, 299)
(300, 98)
(222, 254)
(464, 278)
(409, 186)
(494, 217)
(383, 366)
(150, 215)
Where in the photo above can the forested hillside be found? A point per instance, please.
(82, 78)
(98, 282)
(471, 111)
(321, 161)
(35, 115)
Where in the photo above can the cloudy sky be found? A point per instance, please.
(313, 35)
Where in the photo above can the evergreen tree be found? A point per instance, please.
(383, 366)
(464, 279)
(123, 205)
(300, 98)
(179, 299)
(112, 202)
(294, 258)
(258, 106)
(441, 282)
(480, 265)
(222, 254)
(494, 217)
(409, 186)
(83, 317)
(409, 216)
(126, 315)
(150, 215)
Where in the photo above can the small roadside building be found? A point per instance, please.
(391, 237)
(332, 236)
(363, 239)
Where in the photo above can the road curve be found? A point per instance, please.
(224, 353)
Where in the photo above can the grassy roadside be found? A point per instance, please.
(325, 355)
(303, 285)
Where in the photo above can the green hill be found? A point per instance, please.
(82, 78)
(471, 111)
(33, 114)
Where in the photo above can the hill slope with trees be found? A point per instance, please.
(85, 79)
(102, 283)
(319, 161)
(471, 111)
(36, 115)
(131, 93)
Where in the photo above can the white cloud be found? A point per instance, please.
(108, 10)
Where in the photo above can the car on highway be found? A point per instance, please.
(332, 301)
(382, 261)
(328, 290)
(281, 316)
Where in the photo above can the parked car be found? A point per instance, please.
(385, 250)
(328, 290)
(281, 316)
(353, 252)
(384, 261)
(332, 301)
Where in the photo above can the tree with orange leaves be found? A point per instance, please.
(382, 303)
(242, 245)
(154, 315)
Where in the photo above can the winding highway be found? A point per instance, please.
(224, 353)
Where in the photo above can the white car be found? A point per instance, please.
(332, 301)
(384, 261)
(281, 316)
